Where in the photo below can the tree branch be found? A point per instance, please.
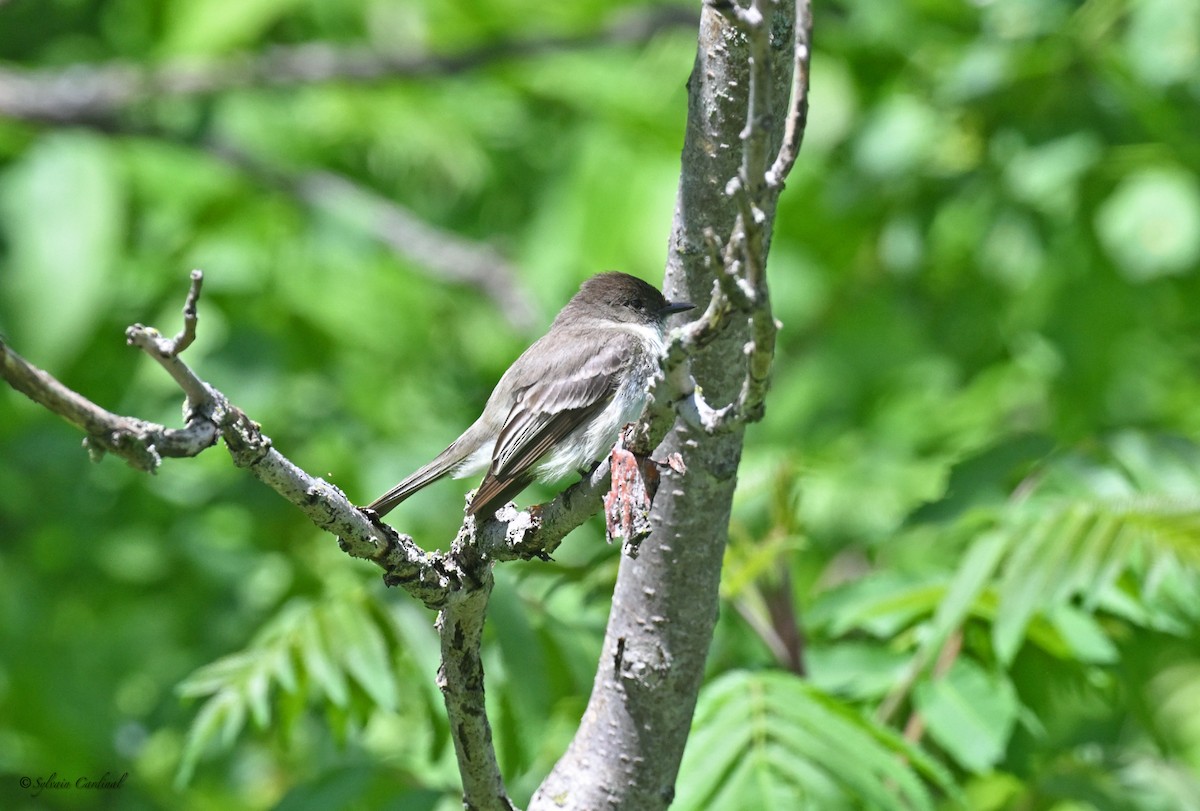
(460, 678)
(166, 350)
(440, 253)
(142, 444)
(427, 576)
(94, 95)
(739, 261)
(457, 584)
(537, 531)
(793, 134)
(532, 533)
(627, 750)
(89, 94)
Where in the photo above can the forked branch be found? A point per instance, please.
(738, 259)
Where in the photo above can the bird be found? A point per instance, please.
(561, 405)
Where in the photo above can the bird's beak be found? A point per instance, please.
(676, 307)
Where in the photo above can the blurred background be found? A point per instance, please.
(962, 569)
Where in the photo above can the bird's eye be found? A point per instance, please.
(637, 304)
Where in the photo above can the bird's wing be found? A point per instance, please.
(545, 412)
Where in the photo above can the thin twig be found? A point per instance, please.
(914, 727)
(190, 315)
(797, 120)
(755, 22)
(166, 350)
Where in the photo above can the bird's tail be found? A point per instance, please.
(494, 493)
(447, 462)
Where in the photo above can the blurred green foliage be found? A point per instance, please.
(977, 485)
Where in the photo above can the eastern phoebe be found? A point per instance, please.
(560, 406)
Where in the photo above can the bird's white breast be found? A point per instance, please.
(589, 442)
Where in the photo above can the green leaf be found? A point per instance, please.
(898, 138)
(1161, 41)
(522, 652)
(63, 215)
(314, 654)
(771, 740)
(1037, 563)
(856, 670)
(1150, 226)
(1085, 638)
(213, 26)
(258, 687)
(331, 642)
(1048, 175)
(970, 713)
(413, 628)
(880, 605)
(970, 580)
(216, 726)
(355, 639)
